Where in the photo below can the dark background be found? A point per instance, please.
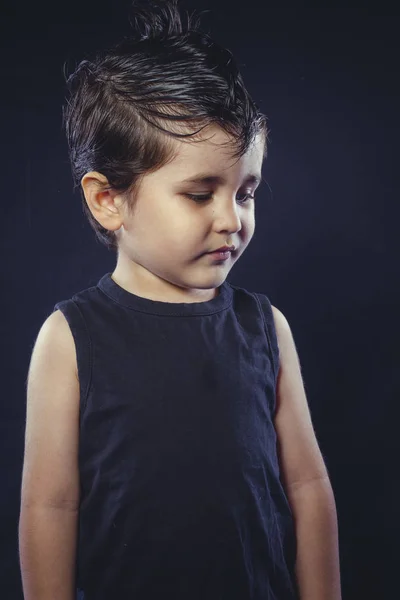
(325, 249)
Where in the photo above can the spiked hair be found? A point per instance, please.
(130, 100)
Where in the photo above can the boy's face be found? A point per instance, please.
(164, 245)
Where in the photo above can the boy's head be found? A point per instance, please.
(165, 104)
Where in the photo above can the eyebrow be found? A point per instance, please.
(218, 180)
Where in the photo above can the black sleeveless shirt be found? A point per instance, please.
(181, 496)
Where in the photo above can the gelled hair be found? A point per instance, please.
(167, 80)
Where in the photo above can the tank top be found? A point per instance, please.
(180, 488)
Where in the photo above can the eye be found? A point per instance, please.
(247, 197)
(198, 197)
(205, 197)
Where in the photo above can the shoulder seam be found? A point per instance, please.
(84, 393)
(89, 381)
(266, 327)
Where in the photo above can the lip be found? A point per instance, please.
(223, 249)
(221, 256)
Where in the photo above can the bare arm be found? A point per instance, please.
(305, 478)
(317, 565)
(50, 478)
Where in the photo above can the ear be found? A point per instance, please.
(105, 204)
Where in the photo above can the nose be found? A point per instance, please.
(227, 217)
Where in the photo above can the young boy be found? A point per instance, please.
(169, 447)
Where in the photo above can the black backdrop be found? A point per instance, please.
(325, 249)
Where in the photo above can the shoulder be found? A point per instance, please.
(279, 317)
(55, 339)
(55, 331)
(282, 327)
(288, 356)
(57, 326)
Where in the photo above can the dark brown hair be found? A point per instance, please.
(121, 101)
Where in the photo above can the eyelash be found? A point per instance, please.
(205, 197)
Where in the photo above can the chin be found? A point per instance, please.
(212, 281)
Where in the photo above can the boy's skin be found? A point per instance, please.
(161, 256)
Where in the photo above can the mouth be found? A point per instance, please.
(220, 255)
(224, 249)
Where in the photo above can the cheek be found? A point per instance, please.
(249, 223)
(178, 228)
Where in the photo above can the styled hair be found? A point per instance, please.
(130, 100)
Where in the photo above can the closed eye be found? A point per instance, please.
(205, 197)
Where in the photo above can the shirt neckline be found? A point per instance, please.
(120, 295)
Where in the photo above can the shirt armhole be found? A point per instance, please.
(269, 323)
(83, 347)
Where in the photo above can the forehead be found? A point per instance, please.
(213, 152)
